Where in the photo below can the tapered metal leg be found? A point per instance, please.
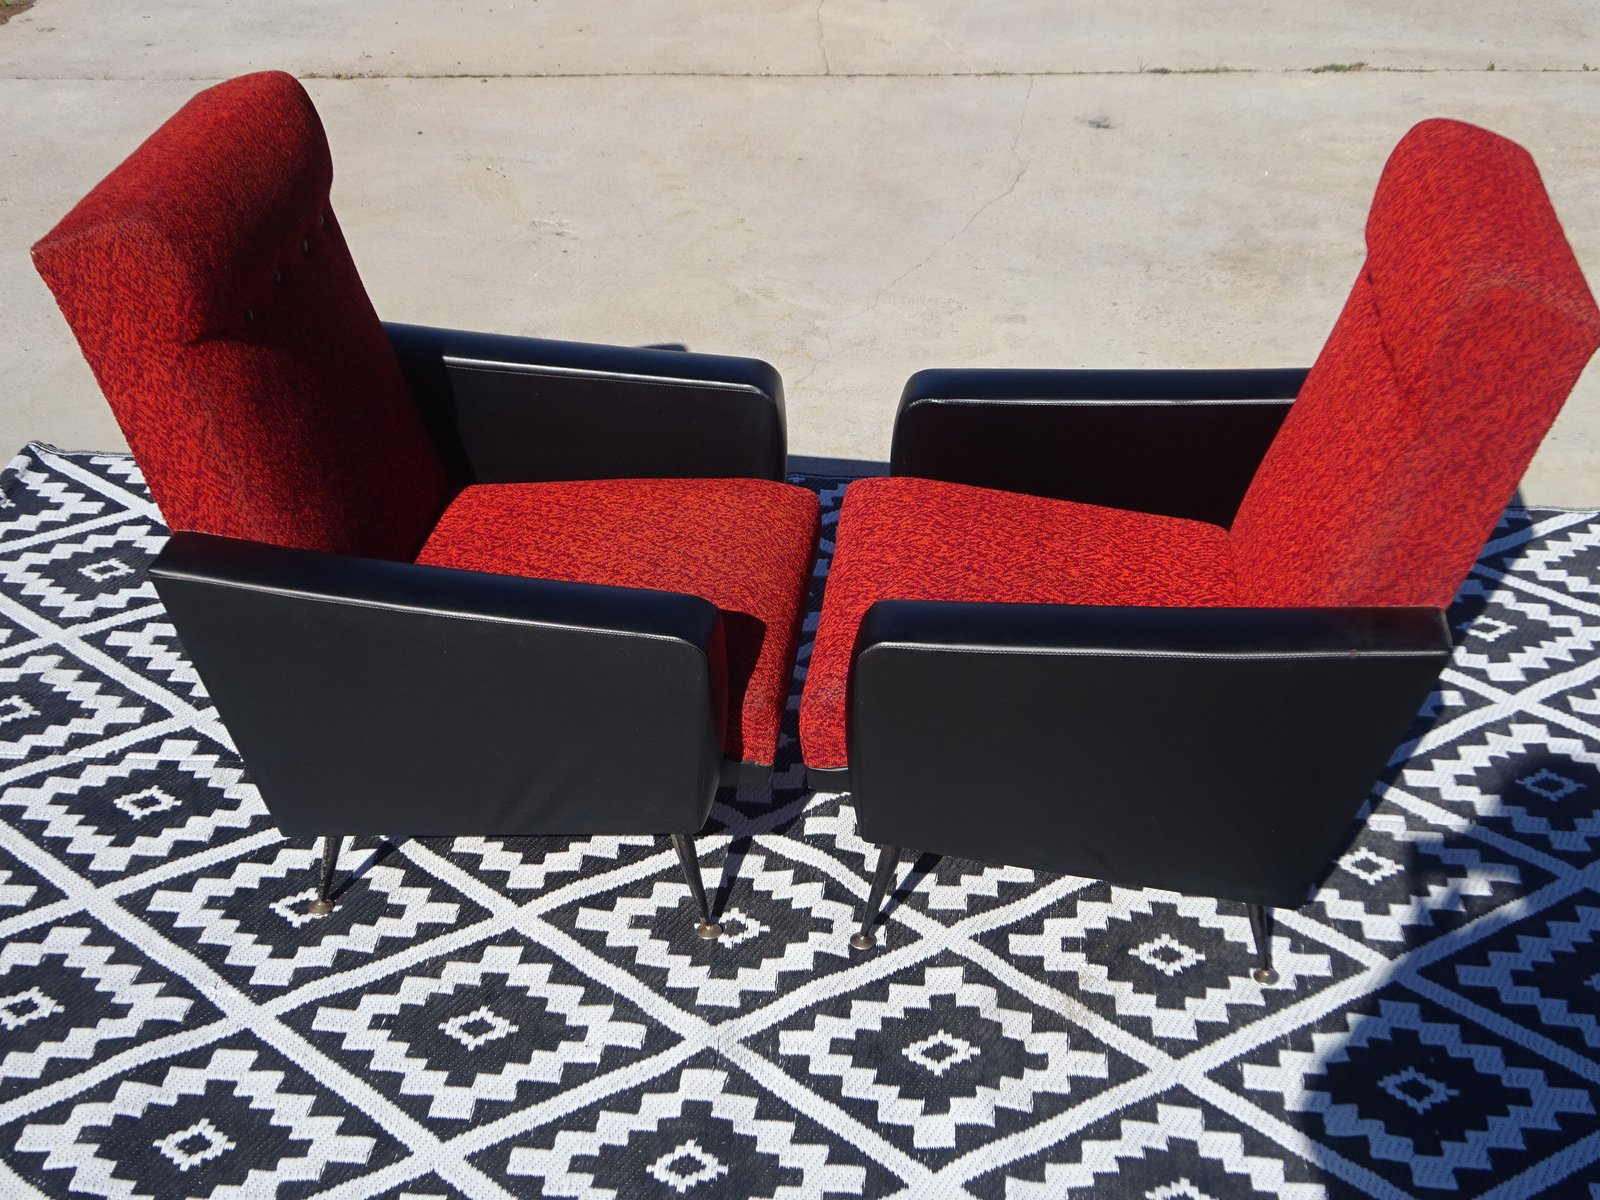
(1261, 926)
(888, 860)
(323, 904)
(684, 845)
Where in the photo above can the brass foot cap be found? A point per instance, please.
(320, 908)
(863, 941)
(708, 930)
(1264, 975)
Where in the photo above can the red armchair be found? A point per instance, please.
(1165, 628)
(435, 582)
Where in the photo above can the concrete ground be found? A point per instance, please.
(851, 189)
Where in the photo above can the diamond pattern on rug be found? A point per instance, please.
(35, 498)
(1516, 639)
(1542, 970)
(1406, 882)
(1526, 780)
(141, 804)
(1424, 1099)
(1177, 968)
(942, 1057)
(1161, 1150)
(234, 1119)
(74, 579)
(947, 889)
(151, 648)
(493, 1017)
(250, 918)
(693, 1135)
(466, 1036)
(23, 891)
(784, 924)
(1566, 561)
(69, 997)
(519, 865)
(50, 703)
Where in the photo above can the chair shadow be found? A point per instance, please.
(384, 848)
(1443, 983)
(732, 859)
(925, 865)
(1446, 993)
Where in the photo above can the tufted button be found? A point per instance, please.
(277, 277)
(249, 314)
(305, 246)
(322, 221)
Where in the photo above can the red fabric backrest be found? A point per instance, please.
(212, 293)
(1467, 329)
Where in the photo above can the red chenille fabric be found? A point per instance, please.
(746, 545)
(919, 539)
(213, 295)
(1462, 338)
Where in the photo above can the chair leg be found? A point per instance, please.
(684, 845)
(323, 904)
(1261, 926)
(888, 860)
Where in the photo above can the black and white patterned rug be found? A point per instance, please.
(489, 1017)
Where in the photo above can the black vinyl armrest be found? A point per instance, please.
(372, 697)
(1178, 443)
(1216, 752)
(519, 410)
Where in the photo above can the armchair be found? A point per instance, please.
(435, 582)
(1165, 628)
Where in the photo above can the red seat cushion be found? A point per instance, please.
(918, 539)
(746, 545)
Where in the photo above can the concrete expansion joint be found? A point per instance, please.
(827, 73)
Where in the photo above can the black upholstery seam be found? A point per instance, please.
(1231, 655)
(402, 610)
(549, 372)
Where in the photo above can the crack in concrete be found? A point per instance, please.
(1022, 169)
(822, 40)
(817, 362)
(961, 58)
